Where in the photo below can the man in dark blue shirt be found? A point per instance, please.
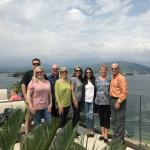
(52, 79)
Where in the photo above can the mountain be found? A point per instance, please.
(126, 67)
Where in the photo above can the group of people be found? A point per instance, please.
(52, 96)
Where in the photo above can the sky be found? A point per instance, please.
(59, 31)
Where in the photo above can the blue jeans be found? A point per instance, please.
(89, 114)
(39, 114)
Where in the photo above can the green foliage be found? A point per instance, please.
(76, 146)
(64, 139)
(40, 137)
(116, 144)
(9, 131)
(16, 85)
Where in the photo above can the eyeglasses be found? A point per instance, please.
(77, 70)
(39, 72)
(88, 72)
(114, 68)
(35, 64)
(64, 71)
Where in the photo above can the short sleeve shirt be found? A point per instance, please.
(78, 85)
(102, 93)
(27, 77)
(40, 93)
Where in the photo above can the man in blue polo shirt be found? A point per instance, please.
(52, 79)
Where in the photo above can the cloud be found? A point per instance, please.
(68, 29)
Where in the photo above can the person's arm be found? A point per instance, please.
(24, 91)
(57, 97)
(75, 101)
(50, 99)
(29, 97)
(124, 89)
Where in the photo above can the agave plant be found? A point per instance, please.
(9, 130)
(41, 137)
(65, 138)
(44, 137)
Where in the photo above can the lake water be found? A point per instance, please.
(138, 85)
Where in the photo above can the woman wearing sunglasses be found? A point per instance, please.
(89, 96)
(39, 96)
(77, 86)
(63, 95)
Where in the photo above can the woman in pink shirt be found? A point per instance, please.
(39, 97)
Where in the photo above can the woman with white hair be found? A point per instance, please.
(39, 96)
(63, 95)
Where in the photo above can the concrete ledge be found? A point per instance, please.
(12, 104)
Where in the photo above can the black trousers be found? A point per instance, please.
(76, 114)
(64, 117)
(104, 115)
(54, 110)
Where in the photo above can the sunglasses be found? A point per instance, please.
(114, 68)
(39, 72)
(35, 64)
(64, 71)
(77, 70)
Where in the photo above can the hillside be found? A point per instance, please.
(128, 67)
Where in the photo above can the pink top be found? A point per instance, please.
(15, 97)
(40, 91)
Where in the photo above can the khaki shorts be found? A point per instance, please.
(29, 115)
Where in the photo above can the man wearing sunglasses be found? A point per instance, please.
(24, 84)
(118, 93)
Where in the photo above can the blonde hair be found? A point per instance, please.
(103, 66)
(15, 90)
(62, 69)
(34, 73)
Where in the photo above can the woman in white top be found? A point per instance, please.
(89, 96)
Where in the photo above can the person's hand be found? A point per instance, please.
(61, 110)
(75, 103)
(49, 108)
(117, 105)
(32, 109)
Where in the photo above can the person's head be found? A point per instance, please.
(88, 74)
(63, 72)
(35, 62)
(103, 70)
(38, 73)
(55, 70)
(114, 69)
(14, 91)
(77, 72)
